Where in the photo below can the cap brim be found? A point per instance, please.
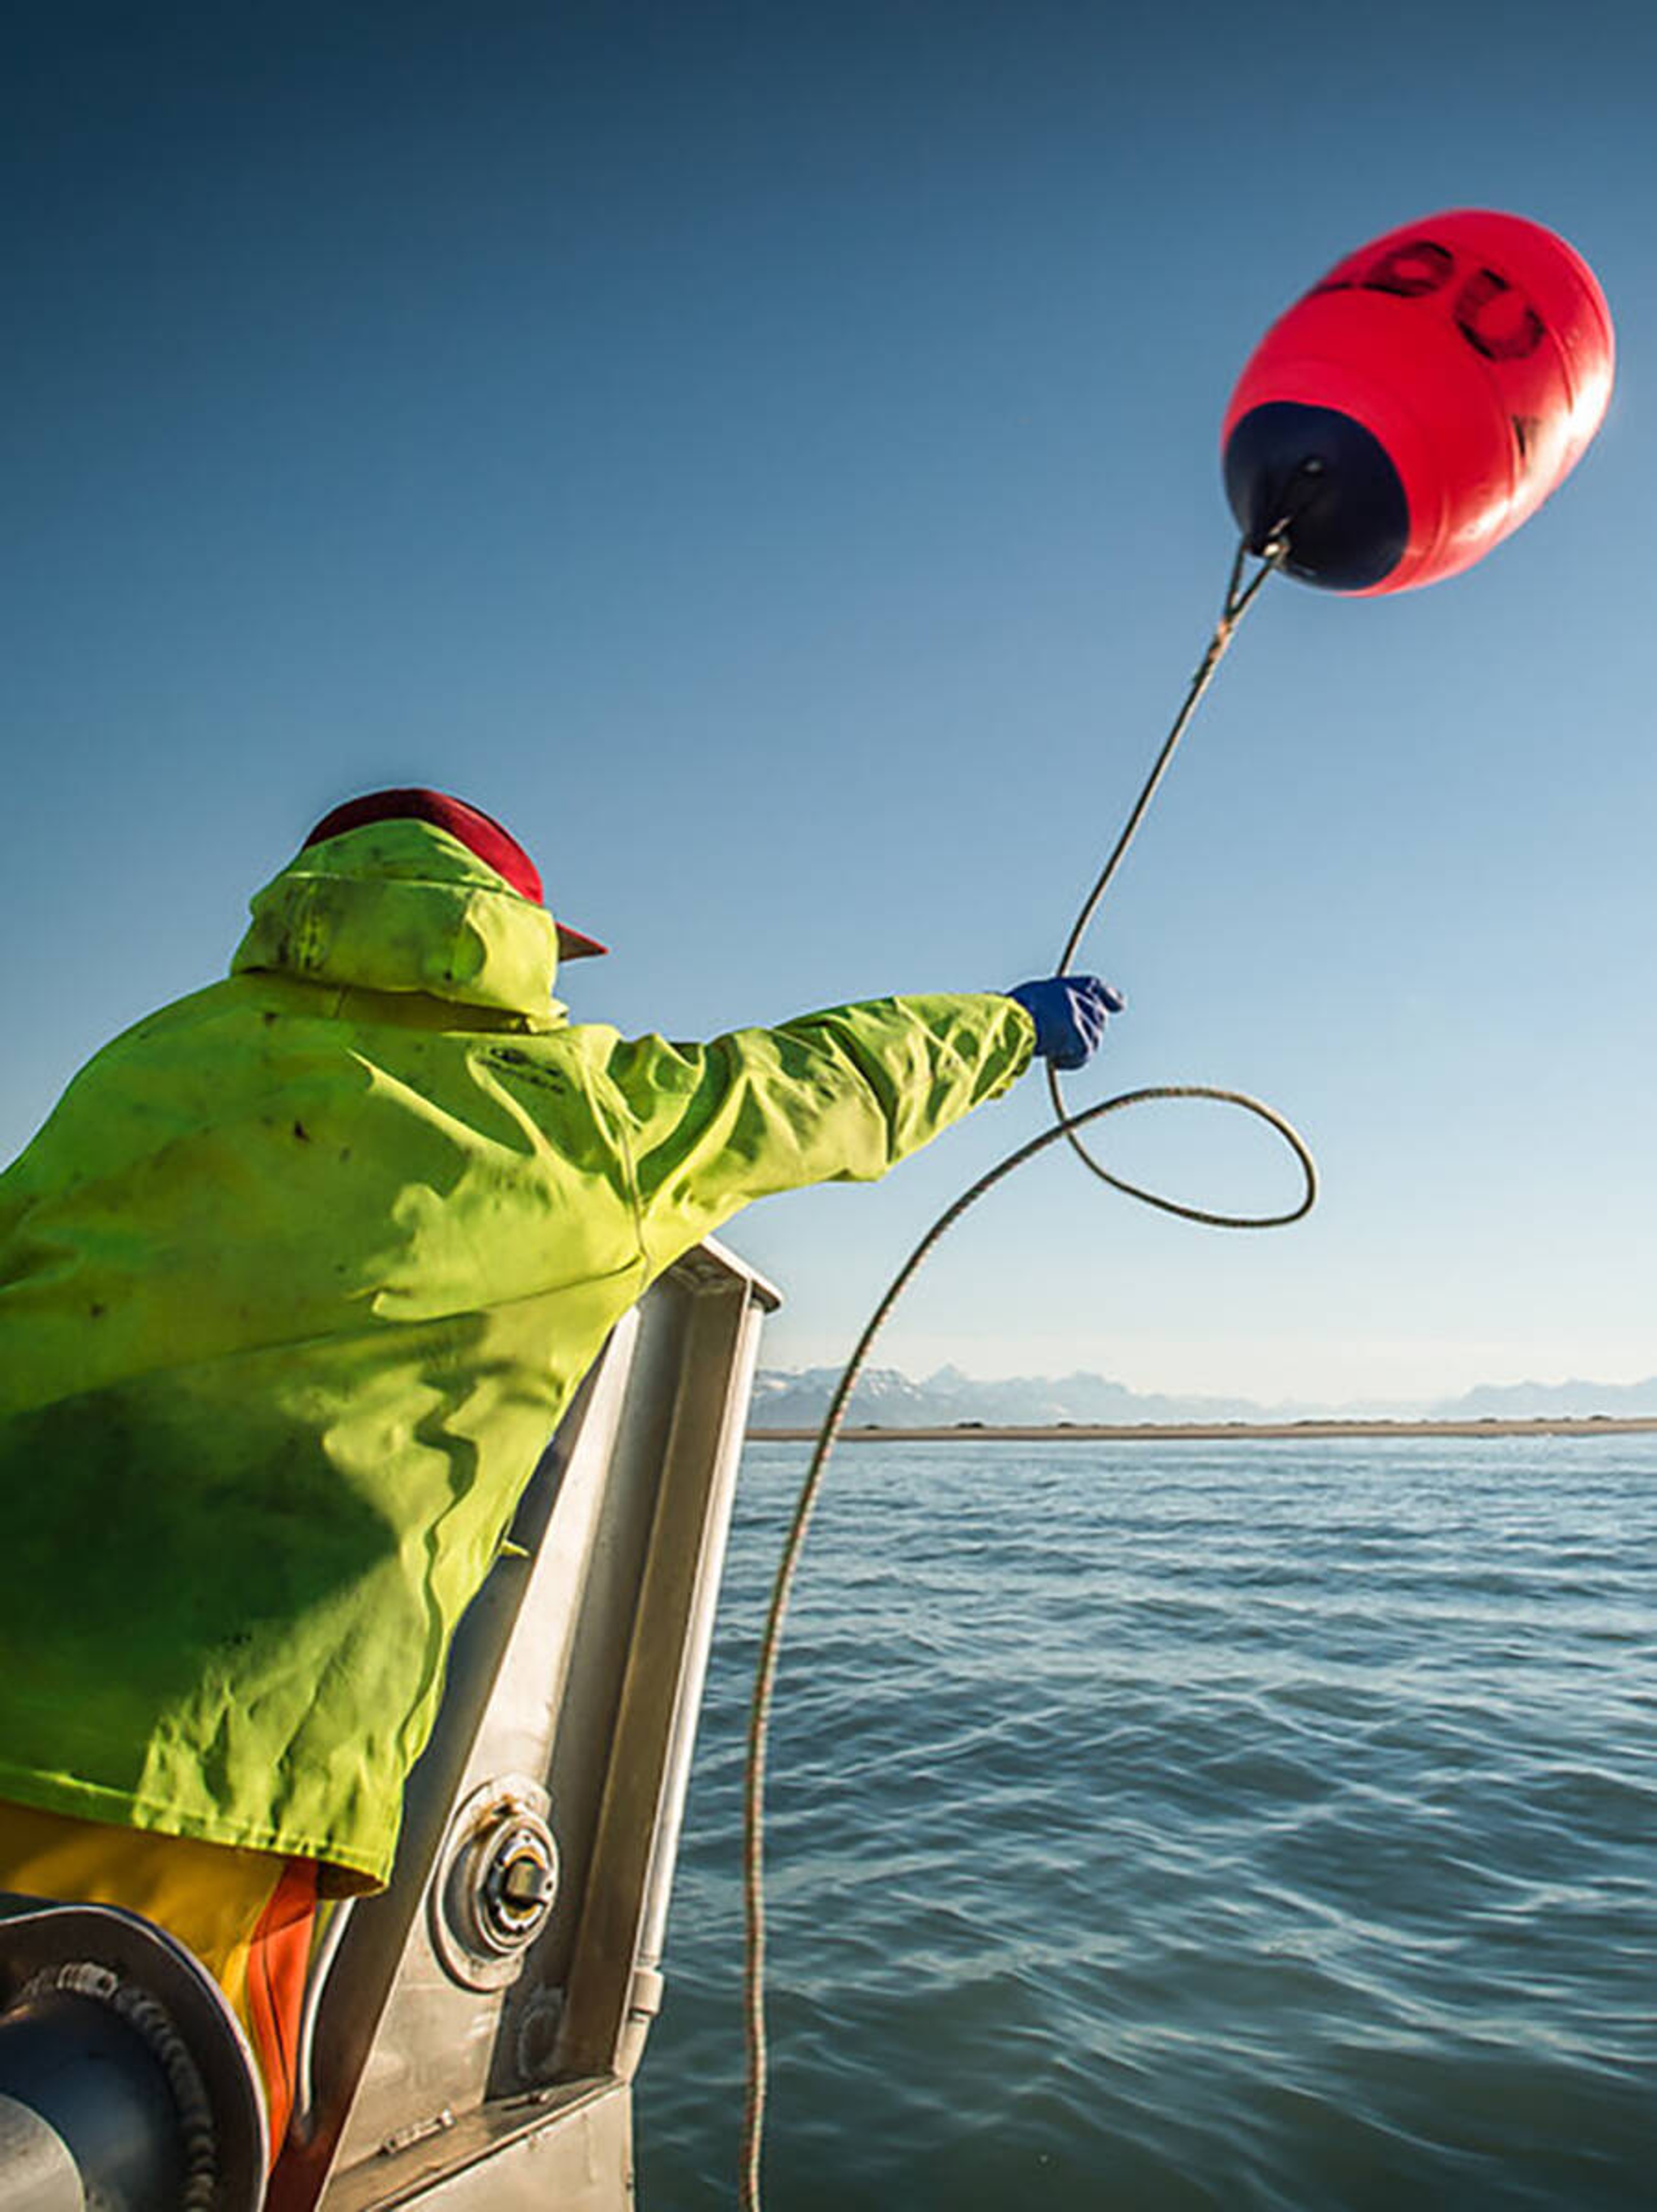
(572, 946)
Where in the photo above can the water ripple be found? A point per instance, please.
(1255, 1827)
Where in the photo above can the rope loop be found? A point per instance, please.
(1207, 1216)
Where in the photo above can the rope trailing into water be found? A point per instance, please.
(1240, 595)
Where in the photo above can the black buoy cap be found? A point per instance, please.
(1349, 519)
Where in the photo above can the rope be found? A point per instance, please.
(1239, 596)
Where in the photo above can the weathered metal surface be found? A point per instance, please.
(37, 2170)
(571, 2149)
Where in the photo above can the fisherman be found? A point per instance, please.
(295, 1284)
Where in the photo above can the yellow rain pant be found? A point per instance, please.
(248, 1916)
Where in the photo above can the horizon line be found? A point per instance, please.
(1312, 1428)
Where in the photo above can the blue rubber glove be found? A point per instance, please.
(1070, 1013)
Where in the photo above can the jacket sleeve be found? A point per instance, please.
(838, 1097)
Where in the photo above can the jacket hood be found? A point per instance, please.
(402, 906)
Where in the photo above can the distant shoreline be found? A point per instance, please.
(1589, 1424)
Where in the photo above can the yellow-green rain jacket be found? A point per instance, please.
(295, 1285)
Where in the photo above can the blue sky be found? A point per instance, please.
(769, 456)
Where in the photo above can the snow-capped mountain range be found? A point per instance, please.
(785, 1399)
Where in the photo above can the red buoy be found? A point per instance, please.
(1420, 403)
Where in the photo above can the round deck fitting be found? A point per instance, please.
(496, 1882)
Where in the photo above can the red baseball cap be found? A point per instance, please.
(478, 832)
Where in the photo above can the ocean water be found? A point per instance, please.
(1251, 1824)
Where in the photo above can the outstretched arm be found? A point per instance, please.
(840, 1096)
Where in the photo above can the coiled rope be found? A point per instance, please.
(1239, 596)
